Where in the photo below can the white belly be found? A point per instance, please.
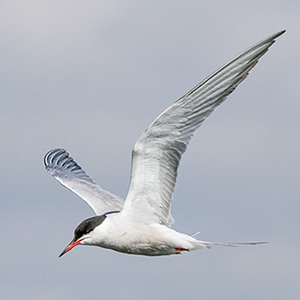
(142, 239)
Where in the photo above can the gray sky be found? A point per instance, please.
(90, 76)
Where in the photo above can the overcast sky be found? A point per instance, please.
(90, 76)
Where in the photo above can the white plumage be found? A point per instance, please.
(141, 224)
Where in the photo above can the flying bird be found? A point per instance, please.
(142, 223)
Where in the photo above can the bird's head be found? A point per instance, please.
(84, 232)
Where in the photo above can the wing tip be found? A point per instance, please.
(51, 155)
(279, 33)
(274, 36)
(58, 162)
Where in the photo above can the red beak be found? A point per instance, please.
(70, 246)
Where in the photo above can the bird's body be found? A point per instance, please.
(142, 239)
(141, 224)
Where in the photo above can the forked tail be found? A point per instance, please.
(201, 244)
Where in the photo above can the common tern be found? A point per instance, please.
(142, 224)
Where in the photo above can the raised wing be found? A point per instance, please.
(157, 153)
(63, 168)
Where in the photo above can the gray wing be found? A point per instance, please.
(62, 167)
(157, 153)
